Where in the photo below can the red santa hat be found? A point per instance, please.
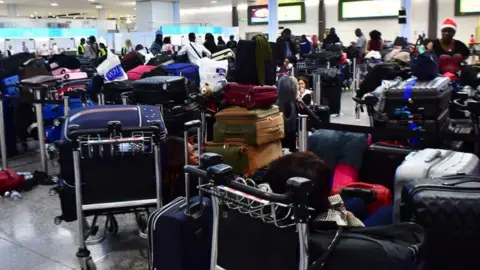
(449, 23)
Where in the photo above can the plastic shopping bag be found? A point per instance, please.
(111, 69)
(213, 74)
(147, 54)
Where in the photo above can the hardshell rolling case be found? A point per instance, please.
(253, 127)
(449, 210)
(429, 99)
(245, 159)
(41, 82)
(113, 91)
(160, 90)
(250, 96)
(431, 163)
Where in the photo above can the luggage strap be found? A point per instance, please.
(199, 56)
(405, 110)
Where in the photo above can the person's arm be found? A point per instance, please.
(463, 49)
(206, 51)
(183, 50)
(368, 45)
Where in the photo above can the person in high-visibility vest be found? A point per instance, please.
(127, 48)
(103, 50)
(81, 48)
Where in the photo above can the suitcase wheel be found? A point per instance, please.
(112, 225)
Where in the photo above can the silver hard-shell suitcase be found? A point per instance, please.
(431, 163)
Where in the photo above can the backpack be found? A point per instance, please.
(378, 73)
(425, 66)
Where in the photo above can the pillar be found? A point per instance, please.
(405, 29)
(11, 11)
(433, 19)
(176, 12)
(234, 16)
(152, 14)
(322, 24)
(102, 14)
(272, 20)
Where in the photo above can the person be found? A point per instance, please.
(10, 50)
(139, 47)
(303, 93)
(103, 50)
(210, 43)
(55, 49)
(375, 43)
(232, 44)
(326, 208)
(361, 43)
(305, 45)
(43, 51)
(173, 180)
(450, 52)
(127, 48)
(24, 47)
(91, 50)
(472, 41)
(286, 48)
(194, 50)
(167, 45)
(331, 39)
(157, 44)
(81, 47)
(220, 41)
(287, 95)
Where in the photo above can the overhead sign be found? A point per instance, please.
(367, 9)
(58, 25)
(467, 7)
(47, 32)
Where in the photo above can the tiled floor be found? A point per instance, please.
(29, 240)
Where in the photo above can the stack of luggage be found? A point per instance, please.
(248, 135)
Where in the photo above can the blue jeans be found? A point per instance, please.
(383, 216)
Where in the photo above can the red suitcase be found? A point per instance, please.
(378, 195)
(10, 180)
(250, 96)
(71, 85)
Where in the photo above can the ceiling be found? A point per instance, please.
(90, 8)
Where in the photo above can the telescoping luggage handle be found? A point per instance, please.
(188, 126)
(302, 132)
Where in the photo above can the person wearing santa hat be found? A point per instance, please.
(450, 52)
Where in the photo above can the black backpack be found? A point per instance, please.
(383, 71)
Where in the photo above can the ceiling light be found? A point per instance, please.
(74, 18)
(31, 15)
(91, 0)
(135, 9)
(53, 4)
(214, 1)
(35, 12)
(1, 2)
(99, 6)
(18, 15)
(49, 13)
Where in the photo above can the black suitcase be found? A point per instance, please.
(160, 90)
(113, 91)
(160, 59)
(176, 116)
(9, 66)
(449, 209)
(429, 99)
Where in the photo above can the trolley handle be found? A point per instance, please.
(74, 133)
(271, 197)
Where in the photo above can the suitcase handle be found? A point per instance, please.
(366, 195)
(470, 179)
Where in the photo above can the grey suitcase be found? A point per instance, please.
(160, 90)
(431, 163)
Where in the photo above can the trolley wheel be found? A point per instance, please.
(57, 220)
(113, 225)
(90, 264)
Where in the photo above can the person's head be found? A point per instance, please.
(449, 28)
(92, 40)
(232, 37)
(471, 36)
(158, 38)
(23, 43)
(139, 47)
(167, 40)
(332, 31)
(44, 45)
(128, 43)
(287, 89)
(304, 38)
(302, 83)
(358, 32)
(192, 37)
(220, 38)
(375, 35)
(306, 165)
(176, 153)
(287, 33)
(209, 38)
(286, 62)
(82, 41)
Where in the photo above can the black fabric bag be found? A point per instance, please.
(246, 67)
(380, 72)
(425, 66)
(159, 71)
(160, 59)
(132, 60)
(449, 209)
(9, 65)
(63, 61)
(394, 247)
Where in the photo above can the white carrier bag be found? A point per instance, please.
(431, 163)
(111, 69)
(212, 74)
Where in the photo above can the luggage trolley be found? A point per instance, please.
(114, 145)
(254, 228)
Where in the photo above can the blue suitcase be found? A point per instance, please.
(178, 241)
(9, 89)
(187, 70)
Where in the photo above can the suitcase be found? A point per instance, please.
(246, 160)
(449, 209)
(138, 72)
(132, 60)
(250, 96)
(28, 86)
(158, 71)
(113, 91)
(9, 88)
(61, 71)
(176, 116)
(72, 85)
(431, 163)
(10, 180)
(9, 66)
(33, 67)
(187, 70)
(226, 54)
(160, 90)
(439, 124)
(429, 99)
(161, 59)
(72, 76)
(253, 127)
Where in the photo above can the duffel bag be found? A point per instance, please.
(138, 72)
(253, 127)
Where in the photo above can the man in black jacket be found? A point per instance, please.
(286, 48)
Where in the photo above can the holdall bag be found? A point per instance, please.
(449, 209)
(431, 163)
(376, 196)
(10, 180)
(138, 72)
(379, 73)
(469, 75)
(158, 71)
(245, 159)
(250, 96)
(59, 61)
(160, 90)
(253, 127)
(427, 98)
(393, 247)
(113, 91)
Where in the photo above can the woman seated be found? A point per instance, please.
(304, 93)
(326, 209)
